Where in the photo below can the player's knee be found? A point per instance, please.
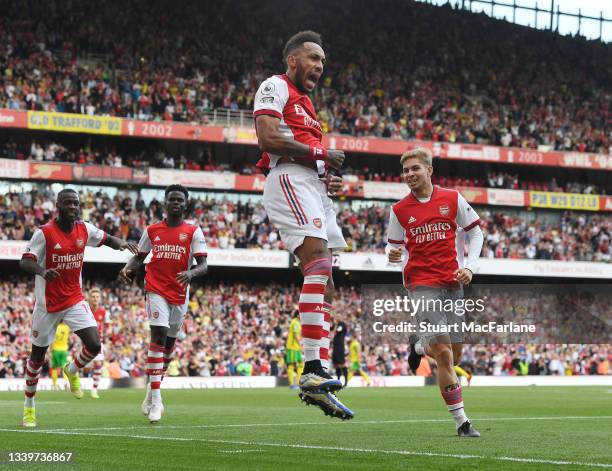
(442, 354)
(94, 347)
(330, 288)
(457, 352)
(37, 354)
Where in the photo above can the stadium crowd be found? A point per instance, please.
(244, 224)
(450, 77)
(240, 329)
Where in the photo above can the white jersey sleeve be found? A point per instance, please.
(144, 244)
(466, 216)
(198, 244)
(475, 241)
(95, 237)
(396, 234)
(271, 98)
(36, 248)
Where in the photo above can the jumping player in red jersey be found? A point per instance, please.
(296, 199)
(99, 313)
(431, 224)
(175, 244)
(55, 255)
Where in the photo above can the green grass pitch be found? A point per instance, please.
(395, 428)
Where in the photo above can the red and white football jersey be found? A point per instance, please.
(51, 247)
(100, 317)
(431, 231)
(174, 249)
(277, 96)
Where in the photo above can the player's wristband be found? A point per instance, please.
(317, 152)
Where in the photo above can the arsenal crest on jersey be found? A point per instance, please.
(444, 210)
(80, 243)
(317, 223)
(182, 237)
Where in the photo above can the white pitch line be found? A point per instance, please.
(291, 424)
(349, 450)
(239, 451)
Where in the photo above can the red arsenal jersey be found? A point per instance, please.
(173, 250)
(277, 96)
(428, 230)
(51, 247)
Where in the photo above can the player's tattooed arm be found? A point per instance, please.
(30, 266)
(185, 277)
(120, 244)
(133, 266)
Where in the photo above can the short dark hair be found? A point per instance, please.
(300, 38)
(180, 188)
(65, 191)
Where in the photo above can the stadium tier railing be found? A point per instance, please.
(234, 127)
(223, 181)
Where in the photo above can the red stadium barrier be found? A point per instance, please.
(369, 145)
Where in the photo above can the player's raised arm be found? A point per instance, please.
(395, 239)
(270, 101)
(120, 244)
(97, 237)
(136, 263)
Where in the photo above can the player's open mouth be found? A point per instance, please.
(312, 80)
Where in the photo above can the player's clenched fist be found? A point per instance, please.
(131, 246)
(395, 255)
(463, 275)
(333, 184)
(51, 274)
(335, 158)
(126, 274)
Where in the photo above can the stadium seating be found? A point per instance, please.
(232, 323)
(432, 81)
(229, 224)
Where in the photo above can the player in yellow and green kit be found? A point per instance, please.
(355, 357)
(293, 354)
(59, 351)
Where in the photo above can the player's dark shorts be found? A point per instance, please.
(338, 356)
(293, 357)
(59, 359)
(437, 314)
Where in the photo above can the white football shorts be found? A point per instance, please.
(297, 204)
(44, 324)
(161, 313)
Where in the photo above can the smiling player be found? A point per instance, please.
(175, 244)
(431, 225)
(55, 256)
